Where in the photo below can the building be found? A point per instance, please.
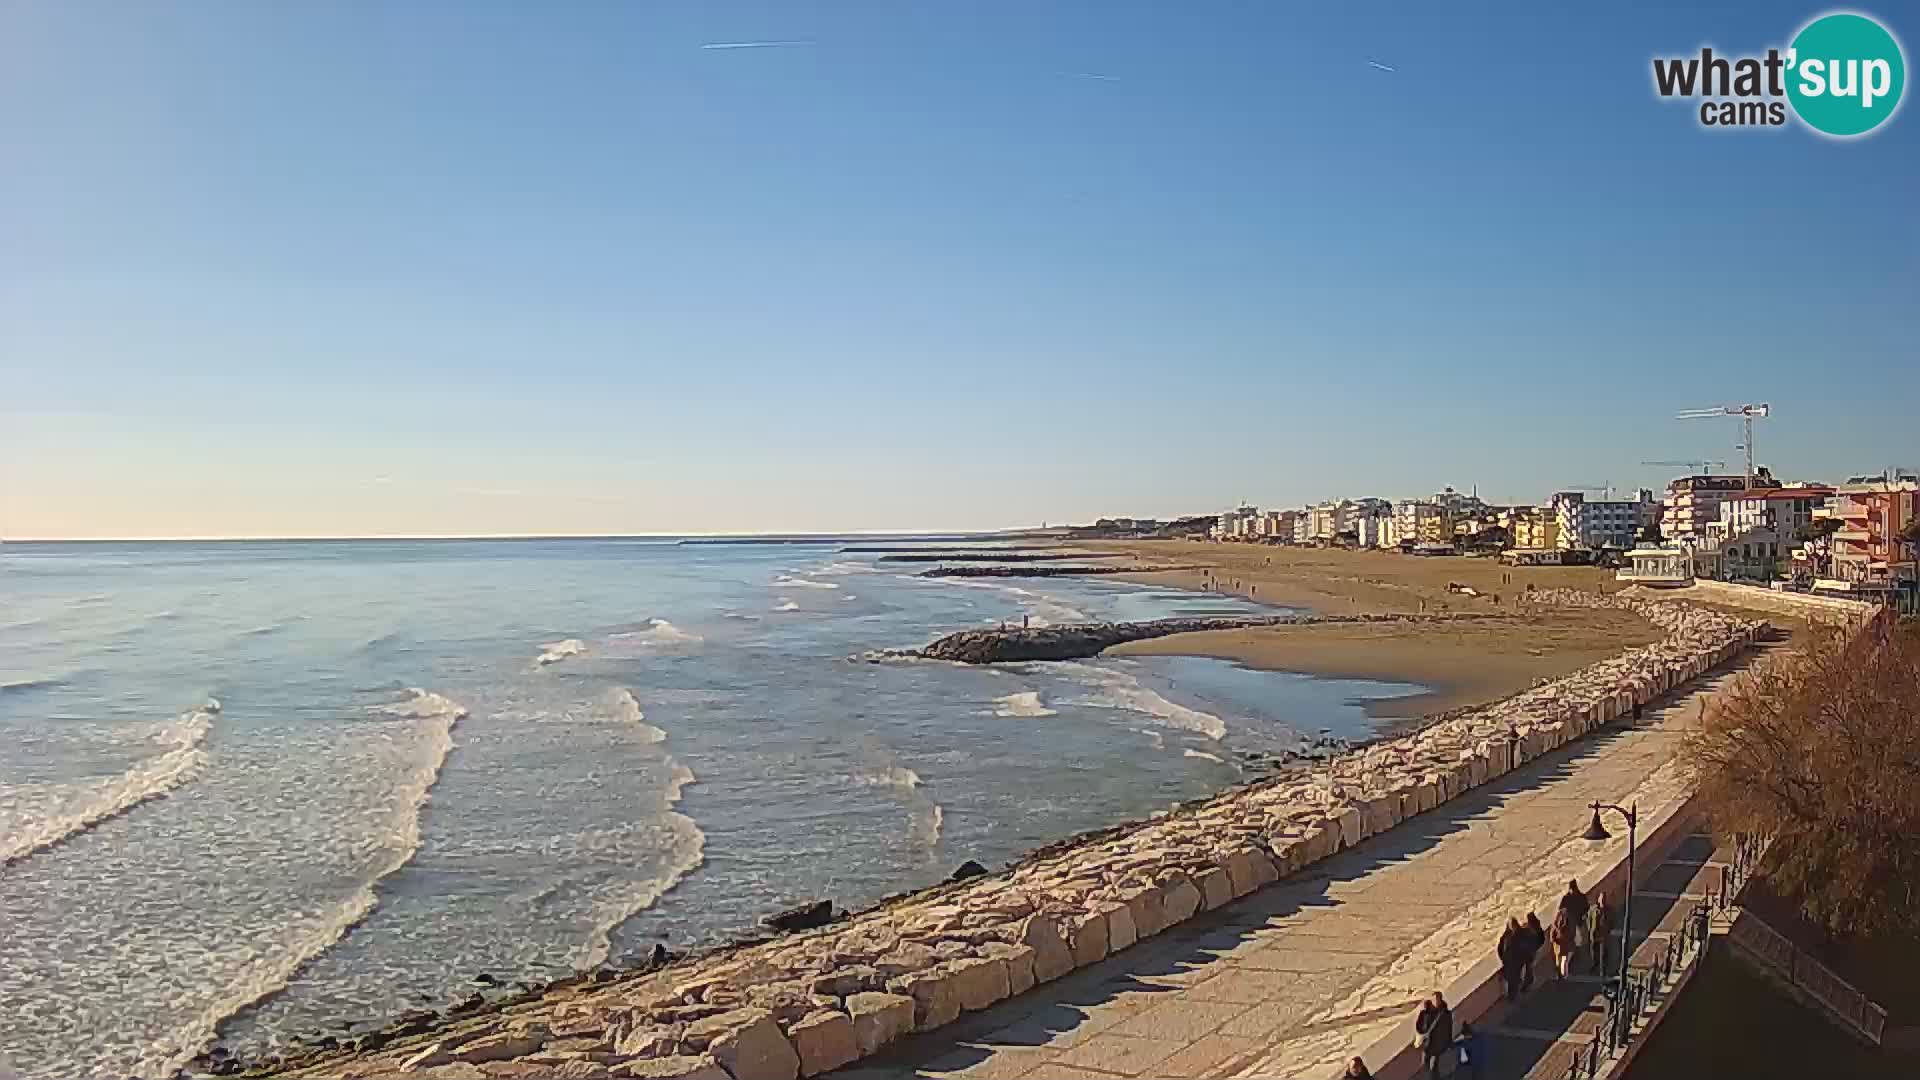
(1389, 532)
(1693, 501)
(1277, 525)
(1420, 521)
(1602, 523)
(1302, 527)
(1536, 529)
(1366, 528)
(1784, 509)
(1662, 565)
(1239, 523)
(1869, 551)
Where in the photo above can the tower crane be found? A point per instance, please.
(1746, 413)
(1701, 466)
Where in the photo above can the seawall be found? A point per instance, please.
(818, 1000)
(1074, 641)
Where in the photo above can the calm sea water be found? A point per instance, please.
(250, 791)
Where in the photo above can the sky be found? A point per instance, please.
(470, 268)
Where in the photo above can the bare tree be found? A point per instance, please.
(1822, 752)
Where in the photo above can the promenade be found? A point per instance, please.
(1295, 979)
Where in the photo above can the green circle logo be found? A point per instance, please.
(1845, 74)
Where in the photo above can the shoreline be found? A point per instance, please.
(1461, 663)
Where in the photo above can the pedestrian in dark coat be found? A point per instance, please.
(1473, 1051)
(1513, 952)
(1574, 903)
(1357, 1070)
(1564, 938)
(1536, 940)
(1434, 1027)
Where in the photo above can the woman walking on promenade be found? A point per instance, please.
(1536, 939)
(1357, 1070)
(1565, 940)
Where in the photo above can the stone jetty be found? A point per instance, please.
(1044, 570)
(816, 1000)
(1073, 641)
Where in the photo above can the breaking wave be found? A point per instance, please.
(626, 709)
(788, 581)
(1115, 689)
(890, 776)
(1022, 704)
(150, 779)
(555, 651)
(21, 686)
(1204, 756)
(686, 852)
(923, 829)
(434, 716)
(658, 632)
(786, 604)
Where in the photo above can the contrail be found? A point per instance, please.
(754, 44)
(1381, 66)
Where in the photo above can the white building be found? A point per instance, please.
(1597, 523)
(1786, 510)
(1694, 501)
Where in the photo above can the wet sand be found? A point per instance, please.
(1463, 663)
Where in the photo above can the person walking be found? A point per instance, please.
(1434, 1028)
(1574, 903)
(1473, 1051)
(1600, 931)
(1512, 950)
(1357, 1070)
(1565, 941)
(1536, 939)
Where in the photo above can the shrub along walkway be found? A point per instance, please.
(1293, 980)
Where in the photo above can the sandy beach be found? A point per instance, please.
(1463, 663)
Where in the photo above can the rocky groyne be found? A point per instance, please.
(994, 557)
(1074, 641)
(819, 999)
(1044, 570)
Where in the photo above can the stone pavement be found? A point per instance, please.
(1294, 979)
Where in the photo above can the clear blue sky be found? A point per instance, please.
(438, 267)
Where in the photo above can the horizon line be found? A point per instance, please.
(517, 536)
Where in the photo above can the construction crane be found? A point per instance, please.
(1746, 413)
(1696, 466)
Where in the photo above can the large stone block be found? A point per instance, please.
(1216, 888)
(1148, 908)
(678, 1067)
(824, 1040)
(1121, 932)
(1348, 820)
(936, 1000)
(500, 1046)
(1245, 869)
(1179, 899)
(879, 1019)
(749, 1045)
(1382, 813)
(1051, 956)
(1019, 962)
(980, 981)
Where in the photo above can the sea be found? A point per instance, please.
(258, 791)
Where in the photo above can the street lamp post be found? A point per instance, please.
(1597, 832)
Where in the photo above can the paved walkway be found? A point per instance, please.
(1297, 978)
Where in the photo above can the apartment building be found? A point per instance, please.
(1869, 549)
(1693, 501)
(1602, 523)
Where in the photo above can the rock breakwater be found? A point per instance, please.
(809, 1002)
(1075, 641)
(1043, 570)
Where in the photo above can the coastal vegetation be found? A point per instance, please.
(1821, 753)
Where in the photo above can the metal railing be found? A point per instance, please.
(1628, 1000)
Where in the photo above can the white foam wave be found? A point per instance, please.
(1203, 755)
(891, 776)
(150, 779)
(659, 632)
(788, 581)
(786, 604)
(1158, 740)
(844, 567)
(924, 829)
(1116, 689)
(626, 709)
(686, 853)
(555, 651)
(1022, 704)
(434, 716)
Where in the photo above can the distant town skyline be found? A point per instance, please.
(477, 268)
